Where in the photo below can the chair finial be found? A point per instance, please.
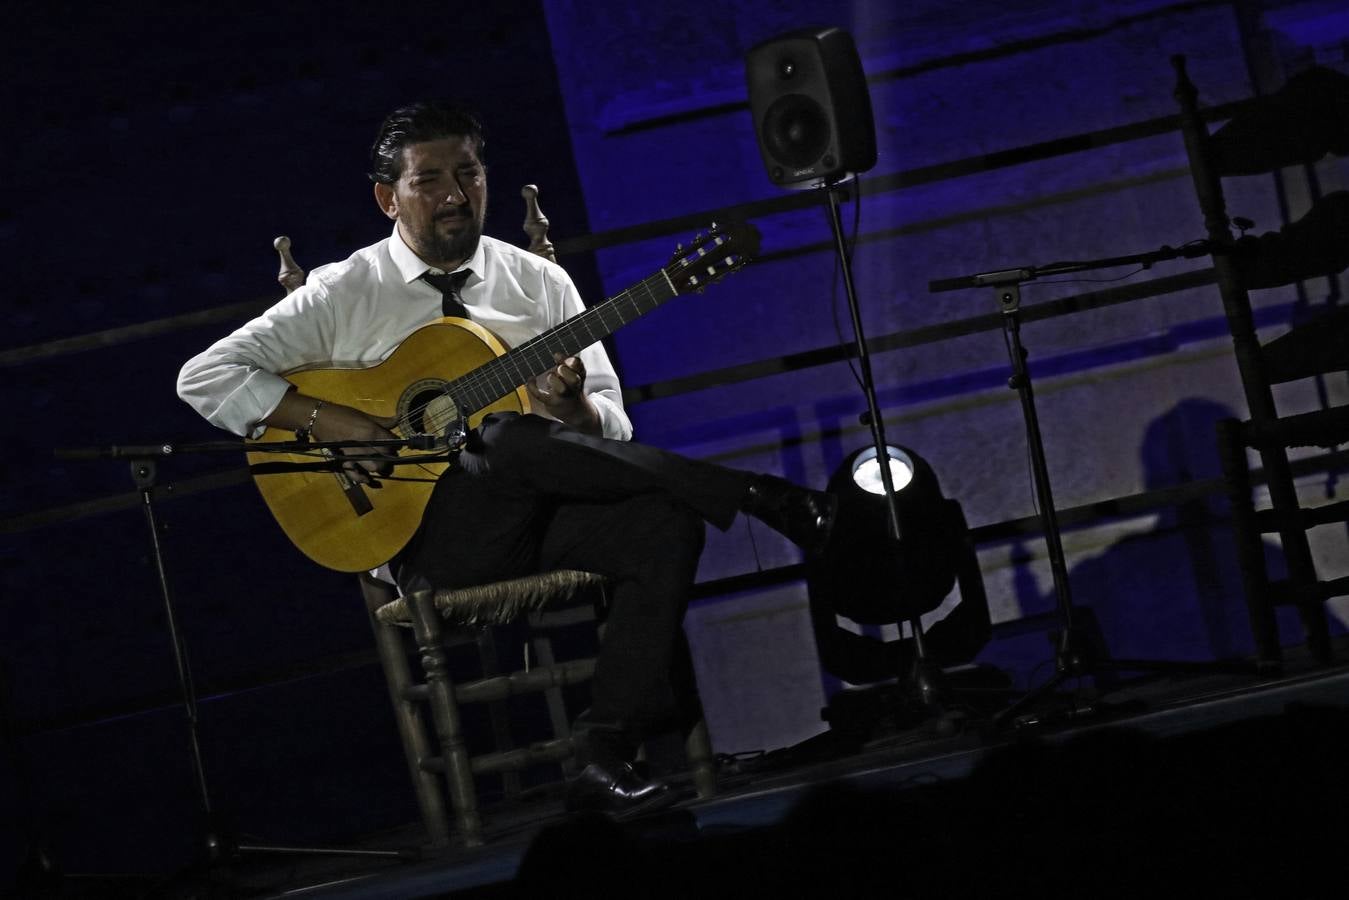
(291, 275)
(536, 224)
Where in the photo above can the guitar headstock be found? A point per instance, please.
(712, 256)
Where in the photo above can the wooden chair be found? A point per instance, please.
(438, 757)
(1294, 126)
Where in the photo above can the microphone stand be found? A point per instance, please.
(220, 847)
(1073, 656)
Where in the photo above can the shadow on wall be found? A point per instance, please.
(1173, 592)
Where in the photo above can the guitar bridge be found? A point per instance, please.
(354, 492)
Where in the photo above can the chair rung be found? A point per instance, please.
(1287, 593)
(1318, 346)
(1335, 587)
(1327, 513)
(523, 757)
(1272, 521)
(499, 687)
(1320, 428)
(552, 750)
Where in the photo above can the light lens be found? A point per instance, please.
(866, 471)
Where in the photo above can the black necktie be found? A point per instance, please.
(449, 285)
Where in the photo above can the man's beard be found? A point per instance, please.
(456, 246)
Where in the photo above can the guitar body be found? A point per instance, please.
(352, 527)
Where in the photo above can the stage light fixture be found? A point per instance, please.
(873, 577)
(868, 573)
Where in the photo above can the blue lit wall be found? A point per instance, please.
(1008, 136)
(171, 147)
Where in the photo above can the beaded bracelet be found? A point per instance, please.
(302, 434)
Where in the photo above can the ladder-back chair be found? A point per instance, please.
(1297, 125)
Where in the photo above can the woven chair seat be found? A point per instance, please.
(500, 601)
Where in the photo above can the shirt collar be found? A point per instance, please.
(411, 266)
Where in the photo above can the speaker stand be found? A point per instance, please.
(924, 679)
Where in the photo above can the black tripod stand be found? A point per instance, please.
(220, 848)
(1074, 654)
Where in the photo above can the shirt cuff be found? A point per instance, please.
(614, 421)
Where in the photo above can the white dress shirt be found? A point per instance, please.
(355, 313)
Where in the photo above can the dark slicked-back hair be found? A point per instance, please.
(425, 120)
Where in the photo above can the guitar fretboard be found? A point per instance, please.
(494, 380)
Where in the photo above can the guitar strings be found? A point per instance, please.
(541, 346)
(500, 376)
(481, 380)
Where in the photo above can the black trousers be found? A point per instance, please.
(531, 494)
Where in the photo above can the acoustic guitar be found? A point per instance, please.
(440, 382)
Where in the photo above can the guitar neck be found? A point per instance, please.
(495, 379)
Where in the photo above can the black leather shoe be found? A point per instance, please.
(616, 789)
(806, 517)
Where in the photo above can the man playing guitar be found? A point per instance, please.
(553, 482)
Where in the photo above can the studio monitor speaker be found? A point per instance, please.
(811, 108)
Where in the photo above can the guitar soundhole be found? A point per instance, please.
(425, 408)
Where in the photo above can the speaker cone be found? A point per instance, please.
(796, 130)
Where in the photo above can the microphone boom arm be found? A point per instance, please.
(1023, 274)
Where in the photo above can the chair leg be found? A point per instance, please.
(408, 715)
(426, 627)
(1302, 576)
(413, 732)
(1250, 547)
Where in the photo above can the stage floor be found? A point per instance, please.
(758, 795)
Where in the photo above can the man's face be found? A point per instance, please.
(439, 201)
